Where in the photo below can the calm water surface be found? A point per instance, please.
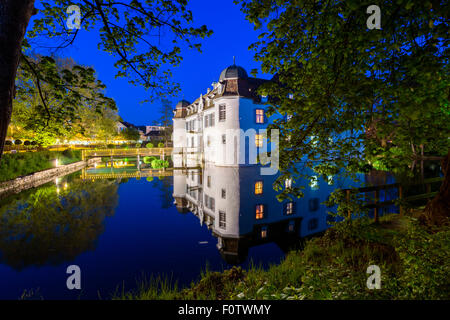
(120, 230)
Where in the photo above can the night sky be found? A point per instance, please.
(232, 37)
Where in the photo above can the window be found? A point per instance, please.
(289, 208)
(258, 140)
(211, 120)
(212, 203)
(222, 112)
(208, 182)
(222, 220)
(312, 224)
(206, 121)
(259, 115)
(288, 183)
(259, 211)
(330, 180)
(314, 183)
(264, 232)
(258, 187)
(291, 226)
(224, 139)
(224, 194)
(313, 204)
(192, 142)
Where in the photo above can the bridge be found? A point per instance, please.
(85, 175)
(136, 152)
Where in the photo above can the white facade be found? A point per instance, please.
(221, 127)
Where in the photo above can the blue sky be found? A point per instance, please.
(232, 37)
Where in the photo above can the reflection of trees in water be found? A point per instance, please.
(44, 227)
(164, 185)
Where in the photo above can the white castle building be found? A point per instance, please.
(216, 176)
(225, 126)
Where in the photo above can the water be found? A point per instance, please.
(120, 230)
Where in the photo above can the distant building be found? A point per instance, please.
(122, 125)
(155, 135)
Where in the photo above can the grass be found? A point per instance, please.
(14, 165)
(414, 262)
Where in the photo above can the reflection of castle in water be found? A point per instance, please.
(240, 207)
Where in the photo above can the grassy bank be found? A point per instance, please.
(414, 262)
(15, 165)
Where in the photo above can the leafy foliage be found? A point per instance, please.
(353, 96)
(57, 98)
(146, 37)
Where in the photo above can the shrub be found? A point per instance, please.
(138, 145)
(67, 153)
(33, 143)
(8, 143)
(18, 142)
(110, 146)
(161, 145)
(27, 143)
(159, 164)
(149, 159)
(149, 145)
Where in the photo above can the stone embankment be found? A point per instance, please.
(39, 178)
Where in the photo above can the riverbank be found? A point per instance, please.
(414, 261)
(41, 177)
(14, 165)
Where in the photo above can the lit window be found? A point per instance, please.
(289, 208)
(258, 187)
(288, 183)
(259, 115)
(222, 220)
(258, 140)
(259, 211)
(263, 232)
(222, 113)
(330, 180)
(314, 183)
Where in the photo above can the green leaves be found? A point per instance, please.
(55, 98)
(144, 36)
(377, 94)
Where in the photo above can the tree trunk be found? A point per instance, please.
(14, 18)
(437, 210)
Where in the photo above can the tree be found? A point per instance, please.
(128, 30)
(166, 112)
(61, 102)
(353, 96)
(131, 134)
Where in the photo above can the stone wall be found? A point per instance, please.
(38, 178)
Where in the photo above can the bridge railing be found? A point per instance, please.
(376, 204)
(126, 152)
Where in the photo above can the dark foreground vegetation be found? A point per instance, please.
(414, 259)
